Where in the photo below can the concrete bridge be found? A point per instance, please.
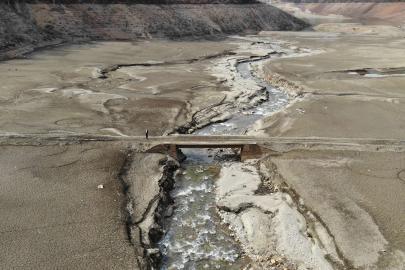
(252, 147)
(247, 149)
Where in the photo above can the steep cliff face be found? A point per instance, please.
(34, 24)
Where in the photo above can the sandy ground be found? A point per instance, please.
(348, 28)
(72, 98)
(331, 102)
(358, 196)
(267, 224)
(353, 195)
(53, 213)
(77, 205)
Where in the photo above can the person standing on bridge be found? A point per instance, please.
(146, 133)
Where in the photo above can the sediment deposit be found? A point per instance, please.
(332, 103)
(272, 231)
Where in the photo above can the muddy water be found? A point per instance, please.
(195, 237)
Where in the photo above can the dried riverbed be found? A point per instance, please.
(252, 223)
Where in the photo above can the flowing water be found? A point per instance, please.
(195, 237)
(239, 123)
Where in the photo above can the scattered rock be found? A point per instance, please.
(169, 211)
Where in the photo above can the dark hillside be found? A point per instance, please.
(342, 1)
(131, 2)
(25, 26)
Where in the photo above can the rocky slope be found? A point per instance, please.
(35, 25)
(17, 32)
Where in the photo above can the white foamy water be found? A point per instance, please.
(195, 238)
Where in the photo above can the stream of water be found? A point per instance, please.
(195, 237)
(240, 122)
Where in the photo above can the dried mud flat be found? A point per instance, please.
(353, 194)
(79, 189)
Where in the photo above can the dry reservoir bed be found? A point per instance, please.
(52, 205)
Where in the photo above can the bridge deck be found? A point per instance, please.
(290, 142)
(209, 144)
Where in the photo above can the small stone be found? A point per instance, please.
(273, 261)
(152, 251)
(236, 256)
(100, 186)
(192, 237)
(190, 130)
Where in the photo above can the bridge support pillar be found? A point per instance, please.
(250, 151)
(173, 151)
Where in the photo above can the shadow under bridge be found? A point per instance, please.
(248, 150)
